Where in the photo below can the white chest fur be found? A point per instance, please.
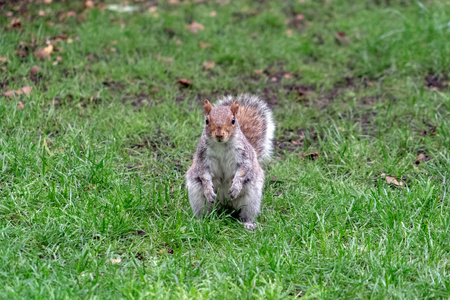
(222, 163)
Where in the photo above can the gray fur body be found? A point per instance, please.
(230, 170)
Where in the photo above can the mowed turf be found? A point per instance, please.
(92, 196)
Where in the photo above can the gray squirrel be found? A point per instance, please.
(237, 137)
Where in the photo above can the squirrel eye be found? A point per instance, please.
(233, 121)
(207, 121)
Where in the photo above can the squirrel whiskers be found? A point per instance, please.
(237, 137)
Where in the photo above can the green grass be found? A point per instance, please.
(98, 174)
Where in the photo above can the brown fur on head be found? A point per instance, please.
(220, 121)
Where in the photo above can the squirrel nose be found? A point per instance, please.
(219, 136)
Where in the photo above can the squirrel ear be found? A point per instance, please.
(207, 107)
(234, 107)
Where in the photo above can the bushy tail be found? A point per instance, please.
(256, 122)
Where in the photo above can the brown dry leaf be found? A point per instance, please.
(195, 27)
(41, 54)
(9, 93)
(258, 72)
(116, 260)
(71, 13)
(208, 65)
(420, 158)
(54, 102)
(299, 17)
(3, 59)
(69, 41)
(50, 23)
(178, 42)
(289, 32)
(184, 82)
(35, 70)
(287, 76)
(59, 58)
(89, 4)
(204, 44)
(26, 90)
(213, 13)
(390, 179)
(275, 178)
(341, 38)
(153, 9)
(41, 13)
(312, 156)
(20, 105)
(21, 53)
(48, 49)
(174, 2)
(47, 1)
(16, 23)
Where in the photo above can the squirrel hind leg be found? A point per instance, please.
(200, 206)
(249, 205)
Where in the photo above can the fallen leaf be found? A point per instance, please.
(16, 23)
(71, 13)
(213, 13)
(312, 156)
(204, 44)
(59, 58)
(174, 2)
(391, 179)
(116, 260)
(54, 102)
(41, 13)
(195, 27)
(89, 4)
(50, 23)
(9, 93)
(258, 72)
(153, 9)
(299, 17)
(26, 90)
(3, 59)
(287, 76)
(275, 178)
(48, 49)
(208, 65)
(47, 1)
(178, 42)
(20, 105)
(69, 41)
(289, 32)
(21, 53)
(41, 54)
(341, 37)
(9, 14)
(12, 93)
(184, 82)
(422, 158)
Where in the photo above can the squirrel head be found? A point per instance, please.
(221, 121)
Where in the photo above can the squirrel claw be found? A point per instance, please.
(210, 196)
(250, 225)
(233, 192)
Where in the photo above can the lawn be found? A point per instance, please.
(101, 112)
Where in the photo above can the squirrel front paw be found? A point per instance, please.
(234, 191)
(210, 196)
